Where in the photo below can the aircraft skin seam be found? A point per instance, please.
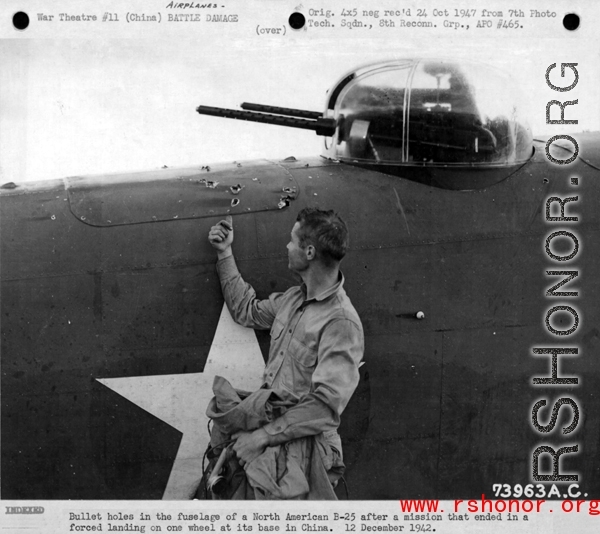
(289, 175)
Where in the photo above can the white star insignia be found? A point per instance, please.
(181, 400)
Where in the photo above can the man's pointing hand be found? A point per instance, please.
(221, 237)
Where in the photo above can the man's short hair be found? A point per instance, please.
(326, 231)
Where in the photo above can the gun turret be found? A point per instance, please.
(292, 118)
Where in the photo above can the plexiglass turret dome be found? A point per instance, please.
(428, 112)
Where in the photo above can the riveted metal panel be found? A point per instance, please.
(171, 194)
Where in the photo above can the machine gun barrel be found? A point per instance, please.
(321, 126)
(282, 111)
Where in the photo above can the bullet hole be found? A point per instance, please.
(235, 189)
(285, 202)
(207, 183)
(235, 202)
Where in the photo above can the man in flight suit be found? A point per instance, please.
(317, 338)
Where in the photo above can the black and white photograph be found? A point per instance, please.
(268, 251)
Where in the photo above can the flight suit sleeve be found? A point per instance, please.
(333, 382)
(240, 297)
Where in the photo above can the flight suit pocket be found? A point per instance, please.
(302, 355)
(300, 367)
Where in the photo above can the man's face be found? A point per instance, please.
(297, 260)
